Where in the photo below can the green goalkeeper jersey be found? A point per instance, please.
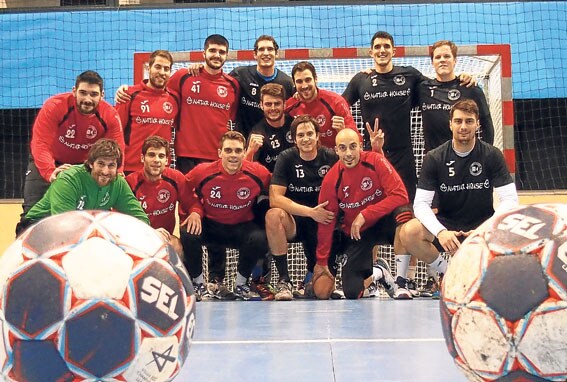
(75, 189)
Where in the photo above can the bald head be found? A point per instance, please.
(348, 147)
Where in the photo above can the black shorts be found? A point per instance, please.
(404, 163)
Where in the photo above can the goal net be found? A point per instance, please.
(490, 65)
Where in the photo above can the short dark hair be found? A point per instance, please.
(439, 43)
(274, 90)
(90, 77)
(305, 118)
(301, 66)
(467, 106)
(104, 148)
(232, 135)
(156, 142)
(381, 34)
(160, 53)
(216, 39)
(266, 37)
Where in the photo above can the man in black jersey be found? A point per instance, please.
(463, 173)
(270, 136)
(251, 79)
(436, 96)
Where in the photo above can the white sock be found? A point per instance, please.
(439, 265)
(198, 279)
(430, 271)
(240, 279)
(402, 265)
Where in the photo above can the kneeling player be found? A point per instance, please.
(368, 192)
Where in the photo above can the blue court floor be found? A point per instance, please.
(376, 339)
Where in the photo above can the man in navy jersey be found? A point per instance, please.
(158, 188)
(151, 109)
(65, 129)
(367, 192)
(269, 137)
(221, 212)
(328, 108)
(253, 77)
(463, 173)
(436, 96)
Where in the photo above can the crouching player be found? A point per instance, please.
(366, 190)
(158, 188)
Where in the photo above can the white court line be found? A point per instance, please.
(325, 311)
(321, 341)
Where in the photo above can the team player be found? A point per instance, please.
(253, 77)
(328, 108)
(226, 191)
(151, 109)
(158, 187)
(66, 127)
(93, 185)
(370, 196)
(271, 135)
(462, 173)
(436, 96)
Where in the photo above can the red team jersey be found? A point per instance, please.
(372, 188)
(158, 199)
(149, 112)
(62, 134)
(207, 104)
(225, 198)
(323, 108)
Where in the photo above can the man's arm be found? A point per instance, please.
(507, 196)
(423, 212)
(325, 231)
(486, 125)
(351, 92)
(126, 201)
(318, 213)
(43, 137)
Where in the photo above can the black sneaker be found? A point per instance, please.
(243, 292)
(304, 291)
(402, 292)
(221, 292)
(431, 286)
(412, 287)
(202, 292)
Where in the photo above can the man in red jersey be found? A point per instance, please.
(366, 190)
(158, 188)
(151, 109)
(329, 109)
(225, 192)
(66, 127)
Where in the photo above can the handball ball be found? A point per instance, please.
(92, 295)
(504, 298)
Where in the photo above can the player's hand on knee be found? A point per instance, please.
(319, 270)
(121, 96)
(449, 240)
(164, 234)
(356, 227)
(193, 224)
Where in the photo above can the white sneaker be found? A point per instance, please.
(383, 276)
(402, 291)
(371, 291)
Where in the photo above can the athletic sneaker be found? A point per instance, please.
(437, 294)
(243, 292)
(337, 294)
(387, 280)
(402, 292)
(283, 291)
(263, 288)
(412, 287)
(431, 286)
(371, 291)
(304, 291)
(222, 292)
(202, 292)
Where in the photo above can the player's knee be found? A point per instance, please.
(274, 218)
(411, 231)
(352, 292)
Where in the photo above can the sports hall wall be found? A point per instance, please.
(43, 52)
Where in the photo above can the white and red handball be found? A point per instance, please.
(504, 298)
(92, 295)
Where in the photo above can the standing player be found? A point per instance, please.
(158, 188)
(463, 173)
(436, 96)
(367, 191)
(94, 185)
(271, 135)
(328, 108)
(253, 77)
(66, 127)
(226, 192)
(151, 109)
